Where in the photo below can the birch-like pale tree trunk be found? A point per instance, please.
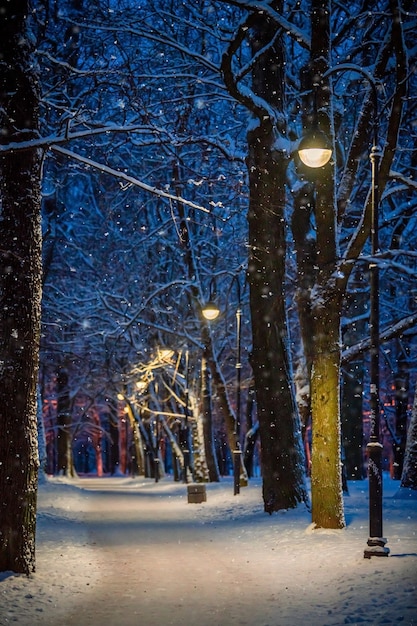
(326, 475)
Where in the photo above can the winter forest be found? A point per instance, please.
(149, 167)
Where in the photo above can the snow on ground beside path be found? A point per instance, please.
(132, 552)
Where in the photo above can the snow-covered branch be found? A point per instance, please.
(349, 354)
(148, 33)
(407, 181)
(46, 142)
(129, 179)
(255, 6)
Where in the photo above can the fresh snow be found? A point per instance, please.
(122, 552)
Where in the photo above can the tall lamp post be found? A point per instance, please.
(314, 154)
(210, 312)
(237, 452)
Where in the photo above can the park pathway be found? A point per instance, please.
(163, 562)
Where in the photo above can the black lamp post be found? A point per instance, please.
(237, 452)
(156, 450)
(210, 312)
(376, 541)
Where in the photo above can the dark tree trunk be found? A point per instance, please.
(301, 223)
(356, 301)
(401, 405)
(351, 419)
(20, 293)
(282, 452)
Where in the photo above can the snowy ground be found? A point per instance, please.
(124, 552)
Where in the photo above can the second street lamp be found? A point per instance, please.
(211, 312)
(314, 149)
(316, 154)
(237, 452)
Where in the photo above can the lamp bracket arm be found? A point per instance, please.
(352, 67)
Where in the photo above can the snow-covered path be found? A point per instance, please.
(147, 557)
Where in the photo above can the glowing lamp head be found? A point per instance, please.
(210, 311)
(314, 149)
(165, 354)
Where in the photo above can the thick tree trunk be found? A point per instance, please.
(352, 381)
(282, 454)
(326, 475)
(306, 262)
(401, 404)
(326, 305)
(352, 423)
(200, 470)
(280, 433)
(20, 293)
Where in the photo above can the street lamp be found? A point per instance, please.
(317, 152)
(314, 149)
(156, 449)
(211, 311)
(237, 452)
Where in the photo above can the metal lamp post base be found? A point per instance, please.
(376, 547)
(236, 471)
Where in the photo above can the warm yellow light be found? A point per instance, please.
(165, 354)
(314, 149)
(141, 385)
(210, 311)
(120, 396)
(315, 157)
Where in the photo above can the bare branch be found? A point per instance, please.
(129, 179)
(264, 8)
(389, 333)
